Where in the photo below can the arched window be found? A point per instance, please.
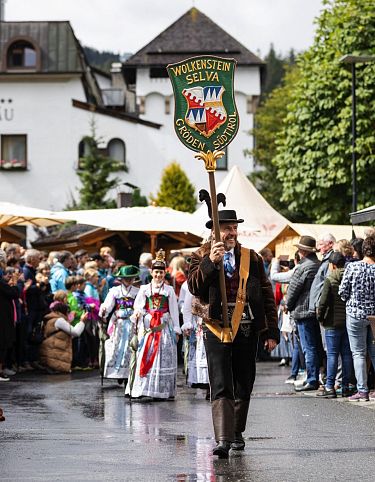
(22, 54)
(83, 150)
(116, 150)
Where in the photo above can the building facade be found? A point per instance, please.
(50, 96)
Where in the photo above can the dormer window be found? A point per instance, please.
(22, 55)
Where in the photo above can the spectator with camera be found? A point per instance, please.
(56, 349)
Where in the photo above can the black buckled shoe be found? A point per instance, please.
(239, 442)
(222, 449)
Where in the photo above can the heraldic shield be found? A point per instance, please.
(206, 117)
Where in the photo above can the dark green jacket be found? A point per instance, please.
(331, 308)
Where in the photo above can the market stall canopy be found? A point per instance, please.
(284, 241)
(262, 221)
(17, 215)
(155, 221)
(146, 219)
(363, 216)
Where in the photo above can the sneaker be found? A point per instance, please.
(371, 395)
(291, 379)
(8, 372)
(359, 397)
(327, 393)
(3, 378)
(28, 366)
(282, 362)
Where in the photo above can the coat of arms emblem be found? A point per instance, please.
(206, 117)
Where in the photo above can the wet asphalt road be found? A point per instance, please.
(69, 428)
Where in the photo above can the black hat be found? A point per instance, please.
(306, 243)
(225, 216)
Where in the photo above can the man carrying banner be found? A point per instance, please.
(252, 314)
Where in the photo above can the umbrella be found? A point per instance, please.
(152, 220)
(15, 214)
(132, 363)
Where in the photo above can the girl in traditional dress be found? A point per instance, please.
(157, 322)
(197, 369)
(118, 305)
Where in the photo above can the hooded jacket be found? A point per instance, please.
(331, 308)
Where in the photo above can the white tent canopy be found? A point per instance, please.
(261, 221)
(17, 215)
(147, 219)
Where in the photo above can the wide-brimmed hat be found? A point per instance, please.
(128, 271)
(225, 216)
(306, 243)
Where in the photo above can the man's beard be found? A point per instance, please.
(229, 244)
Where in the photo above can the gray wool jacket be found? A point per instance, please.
(298, 296)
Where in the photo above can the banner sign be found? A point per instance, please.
(206, 117)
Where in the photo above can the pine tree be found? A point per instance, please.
(176, 191)
(96, 175)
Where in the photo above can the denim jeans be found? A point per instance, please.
(361, 341)
(297, 355)
(337, 343)
(311, 342)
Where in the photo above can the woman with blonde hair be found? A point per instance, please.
(177, 270)
(344, 247)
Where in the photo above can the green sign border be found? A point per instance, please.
(181, 105)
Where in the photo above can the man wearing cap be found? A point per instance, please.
(297, 303)
(117, 309)
(231, 365)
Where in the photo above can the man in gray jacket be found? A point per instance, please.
(325, 247)
(298, 300)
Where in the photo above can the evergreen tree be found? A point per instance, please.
(314, 152)
(176, 191)
(96, 175)
(274, 71)
(138, 199)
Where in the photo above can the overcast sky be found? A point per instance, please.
(127, 25)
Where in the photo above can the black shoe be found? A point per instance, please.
(307, 387)
(327, 393)
(222, 449)
(239, 442)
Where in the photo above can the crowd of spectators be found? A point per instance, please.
(45, 293)
(327, 315)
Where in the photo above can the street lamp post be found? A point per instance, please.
(353, 60)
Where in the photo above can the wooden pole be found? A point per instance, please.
(216, 226)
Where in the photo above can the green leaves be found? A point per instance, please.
(313, 158)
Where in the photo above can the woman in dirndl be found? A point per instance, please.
(118, 306)
(157, 323)
(197, 369)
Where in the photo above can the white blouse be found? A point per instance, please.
(166, 290)
(114, 294)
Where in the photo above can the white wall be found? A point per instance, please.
(54, 128)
